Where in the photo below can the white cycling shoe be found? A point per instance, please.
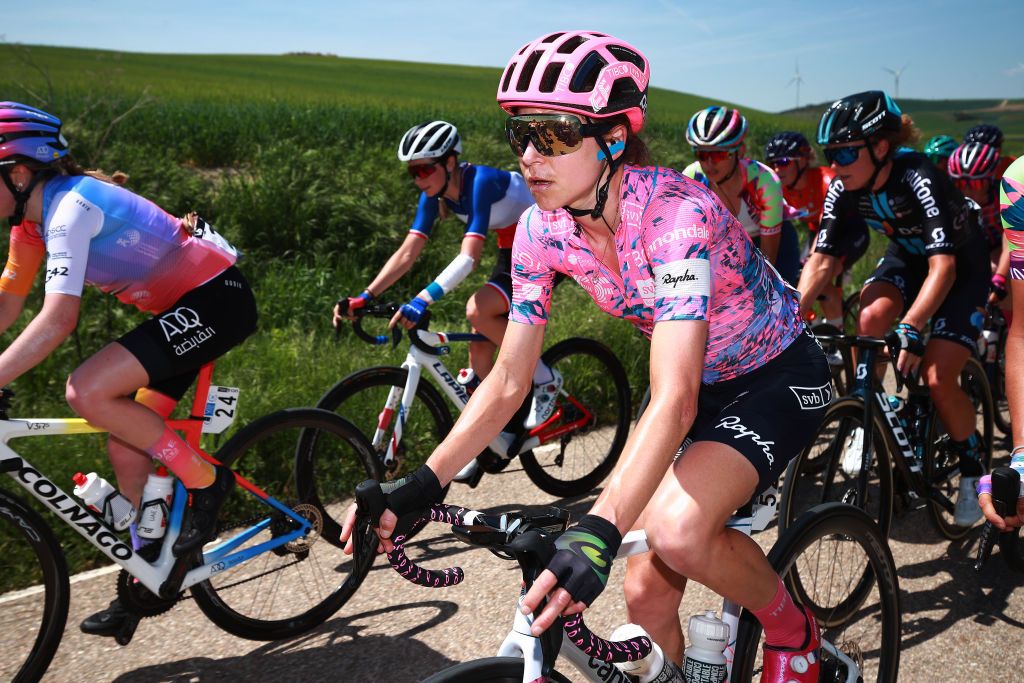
(544, 400)
(853, 453)
(467, 472)
(967, 510)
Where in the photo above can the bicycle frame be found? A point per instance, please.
(424, 355)
(154, 575)
(521, 644)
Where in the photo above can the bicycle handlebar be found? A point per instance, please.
(526, 537)
(1005, 490)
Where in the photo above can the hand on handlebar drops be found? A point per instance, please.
(352, 304)
(577, 573)
(911, 347)
(412, 494)
(410, 312)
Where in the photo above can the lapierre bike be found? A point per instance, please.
(406, 417)
(818, 557)
(275, 569)
(906, 451)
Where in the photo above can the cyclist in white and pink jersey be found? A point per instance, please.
(732, 367)
(92, 231)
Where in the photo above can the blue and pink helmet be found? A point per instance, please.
(29, 133)
(719, 127)
(580, 72)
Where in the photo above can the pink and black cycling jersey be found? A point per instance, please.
(100, 234)
(490, 199)
(762, 207)
(681, 256)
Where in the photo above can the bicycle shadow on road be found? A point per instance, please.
(342, 649)
(939, 592)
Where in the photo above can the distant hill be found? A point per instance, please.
(950, 117)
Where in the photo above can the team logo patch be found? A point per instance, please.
(685, 277)
(812, 398)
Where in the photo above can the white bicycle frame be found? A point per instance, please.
(400, 399)
(520, 643)
(152, 575)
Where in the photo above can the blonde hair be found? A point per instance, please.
(907, 135)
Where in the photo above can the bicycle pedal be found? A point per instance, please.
(126, 632)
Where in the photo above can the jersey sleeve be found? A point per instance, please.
(532, 277)
(1011, 209)
(695, 172)
(489, 187)
(767, 191)
(426, 215)
(70, 227)
(677, 238)
(834, 212)
(25, 255)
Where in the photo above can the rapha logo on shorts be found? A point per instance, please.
(179, 321)
(685, 277)
(812, 398)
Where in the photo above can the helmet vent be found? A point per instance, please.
(569, 46)
(626, 55)
(553, 37)
(507, 77)
(526, 75)
(585, 76)
(551, 73)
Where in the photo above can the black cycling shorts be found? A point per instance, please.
(501, 276)
(960, 316)
(769, 414)
(200, 327)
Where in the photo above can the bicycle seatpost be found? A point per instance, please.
(1005, 490)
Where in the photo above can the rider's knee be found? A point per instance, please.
(473, 312)
(684, 543)
(940, 377)
(83, 396)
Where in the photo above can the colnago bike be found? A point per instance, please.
(406, 418)
(275, 569)
(860, 619)
(906, 451)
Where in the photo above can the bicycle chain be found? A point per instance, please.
(138, 599)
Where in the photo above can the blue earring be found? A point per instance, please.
(612, 149)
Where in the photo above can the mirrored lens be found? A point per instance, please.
(713, 155)
(551, 135)
(421, 171)
(781, 162)
(842, 156)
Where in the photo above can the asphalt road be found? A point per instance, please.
(957, 625)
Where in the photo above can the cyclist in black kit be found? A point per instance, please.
(935, 269)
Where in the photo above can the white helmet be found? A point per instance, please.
(429, 141)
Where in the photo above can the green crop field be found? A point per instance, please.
(293, 159)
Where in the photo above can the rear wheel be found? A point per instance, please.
(490, 670)
(819, 558)
(296, 586)
(34, 592)
(594, 408)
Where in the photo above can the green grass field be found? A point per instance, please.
(293, 159)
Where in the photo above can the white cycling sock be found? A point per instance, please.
(542, 373)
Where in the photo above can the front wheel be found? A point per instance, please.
(490, 670)
(31, 621)
(816, 555)
(294, 587)
(593, 408)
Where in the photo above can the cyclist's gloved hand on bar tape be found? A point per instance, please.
(583, 557)
(413, 493)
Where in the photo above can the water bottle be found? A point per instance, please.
(991, 338)
(653, 668)
(704, 660)
(468, 379)
(100, 496)
(156, 502)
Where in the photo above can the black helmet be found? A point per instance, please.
(858, 117)
(985, 133)
(786, 144)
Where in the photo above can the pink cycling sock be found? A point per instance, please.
(783, 622)
(178, 456)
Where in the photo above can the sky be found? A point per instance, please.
(742, 52)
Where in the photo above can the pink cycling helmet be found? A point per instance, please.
(581, 72)
(973, 160)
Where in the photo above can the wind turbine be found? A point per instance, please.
(896, 77)
(798, 79)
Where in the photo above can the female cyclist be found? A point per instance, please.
(1011, 205)
(91, 231)
(749, 189)
(485, 199)
(728, 352)
(935, 269)
(990, 135)
(939, 149)
(804, 187)
(972, 166)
